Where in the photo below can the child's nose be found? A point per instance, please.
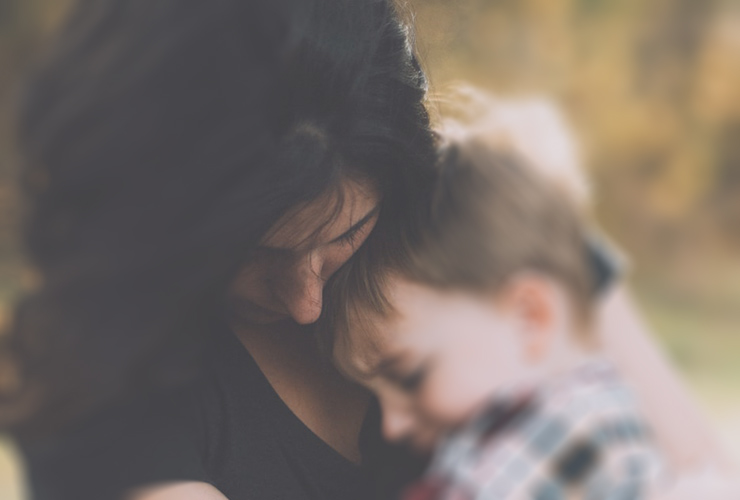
(397, 424)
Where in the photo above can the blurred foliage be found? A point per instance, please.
(652, 88)
(24, 26)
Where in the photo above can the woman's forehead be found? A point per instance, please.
(324, 219)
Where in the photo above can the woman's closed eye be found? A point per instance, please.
(351, 237)
(355, 235)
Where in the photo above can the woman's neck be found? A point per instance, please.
(315, 392)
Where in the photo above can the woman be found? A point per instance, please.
(163, 140)
(195, 172)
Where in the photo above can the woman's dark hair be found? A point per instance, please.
(160, 141)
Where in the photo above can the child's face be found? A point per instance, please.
(439, 359)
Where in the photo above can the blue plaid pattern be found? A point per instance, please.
(579, 437)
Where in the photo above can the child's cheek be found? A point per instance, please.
(450, 402)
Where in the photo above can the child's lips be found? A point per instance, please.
(421, 444)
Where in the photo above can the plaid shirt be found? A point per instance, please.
(580, 437)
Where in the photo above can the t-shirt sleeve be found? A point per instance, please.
(156, 440)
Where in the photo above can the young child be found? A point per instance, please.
(473, 331)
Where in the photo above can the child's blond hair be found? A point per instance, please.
(491, 215)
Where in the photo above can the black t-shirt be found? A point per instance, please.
(231, 430)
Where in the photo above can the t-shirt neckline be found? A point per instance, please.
(290, 429)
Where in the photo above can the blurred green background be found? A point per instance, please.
(652, 89)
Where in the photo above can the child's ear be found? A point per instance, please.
(532, 301)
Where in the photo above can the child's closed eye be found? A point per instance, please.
(412, 381)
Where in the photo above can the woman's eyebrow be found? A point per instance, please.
(356, 227)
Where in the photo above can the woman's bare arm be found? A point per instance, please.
(190, 490)
(681, 429)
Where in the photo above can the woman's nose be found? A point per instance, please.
(303, 291)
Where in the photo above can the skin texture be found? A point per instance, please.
(286, 275)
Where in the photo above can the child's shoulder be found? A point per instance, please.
(590, 396)
(582, 432)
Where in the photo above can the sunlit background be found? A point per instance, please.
(652, 89)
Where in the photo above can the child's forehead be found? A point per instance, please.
(408, 297)
(418, 304)
(425, 320)
(369, 341)
(372, 337)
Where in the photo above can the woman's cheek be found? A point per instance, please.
(248, 282)
(334, 259)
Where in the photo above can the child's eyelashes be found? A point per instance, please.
(412, 381)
